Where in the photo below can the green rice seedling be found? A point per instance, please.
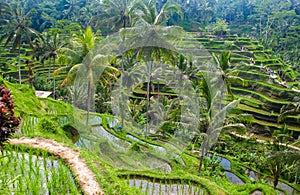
(182, 186)
(160, 192)
(147, 187)
(153, 182)
(134, 182)
(21, 188)
(141, 185)
(44, 157)
(190, 186)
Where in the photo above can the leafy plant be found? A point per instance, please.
(8, 121)
(46, 125)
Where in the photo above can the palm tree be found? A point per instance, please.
(119, 13)
(88, 72)
(86, 66)
(69, 57)
(212, 123)
(281, 159)
(152, 16)
(16, 23)
(288, 110)
(228, 75)
(47, 46)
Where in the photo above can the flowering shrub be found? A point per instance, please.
(8, 122)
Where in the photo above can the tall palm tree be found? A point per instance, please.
(69, 57)
(212, 123)
(16, 23)
(47, 46)
(86, 66)
(119, 13)
(88, 72)
(152, 16)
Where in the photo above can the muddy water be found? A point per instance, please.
(153, 188)
(256, 176)
(232, 178)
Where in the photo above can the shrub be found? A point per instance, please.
(8, 121)
(46, 125)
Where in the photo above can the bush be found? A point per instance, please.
(8, 122)
(46, 125)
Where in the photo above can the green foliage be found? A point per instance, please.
(31, 171)
(47, 125)
(211, 165)
(221, 28)
(135, 147)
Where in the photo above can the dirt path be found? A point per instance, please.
(83, 174)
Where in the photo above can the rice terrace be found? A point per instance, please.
(156, 97)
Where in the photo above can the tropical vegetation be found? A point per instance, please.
(149, 97)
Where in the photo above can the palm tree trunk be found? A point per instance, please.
(88, 103)
(19, 63)
(54, 94)
(148, 98)
(122, 102)
(203, 153)
(121, 82)
(53, 63)
(49, 74)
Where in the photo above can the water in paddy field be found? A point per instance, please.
(153, 188)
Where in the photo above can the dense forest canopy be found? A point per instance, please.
(274, 22)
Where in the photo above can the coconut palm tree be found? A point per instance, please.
(85, 66)
(69, 57)
(152, 16)
(16, 23)
(119, 13)
(213, 120)
(46, 47)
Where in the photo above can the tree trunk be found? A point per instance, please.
(148, 98)
(121, 105)
(202, 154)
(88, 103)
(200, 164)
(276, 179)
(54, 94)
(19, 64)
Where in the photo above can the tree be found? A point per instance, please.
(69, 57)
(280, 158)
(228, 75)
(119, 13)
(221, 27)
(46, 47)
(211, 123)
(85, 65)
(152, 16)
(16, 23)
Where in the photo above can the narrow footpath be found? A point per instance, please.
(84, 175)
